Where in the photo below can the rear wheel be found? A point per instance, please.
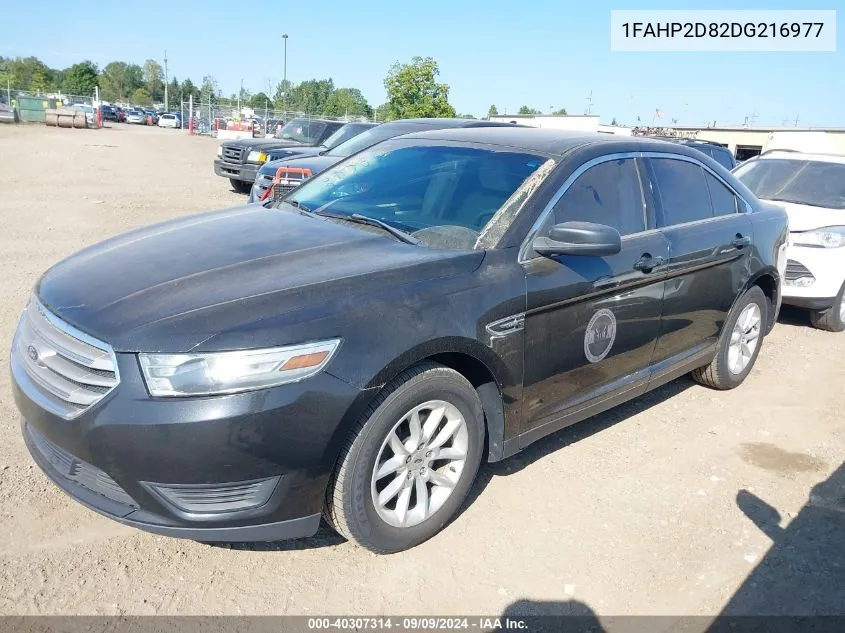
(832, 319)
(410, 463)
(739, 343)
(240, 186)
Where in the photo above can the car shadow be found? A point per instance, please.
(575, 433)
(325, 537)
(540, 616)
(803, 572)
(790, 315)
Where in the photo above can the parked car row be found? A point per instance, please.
(429, 294)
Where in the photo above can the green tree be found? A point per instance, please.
(174, 92)
(347, 101)
(260, 101)
(80, 79)
(27, 73)
(382, 113)
(142, 97)
(526, 110)
(208, 92)
(493, 111)
(154, 79)
(561, 112)
(311, 96)
(189, 90)
(282, 94)
(613, 122)
(413, 91)
(466, 116)
(119, 80)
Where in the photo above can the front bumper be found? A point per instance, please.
(827, 268)
(236, 171)
(119, 455)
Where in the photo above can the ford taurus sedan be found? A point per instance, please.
(356, 351)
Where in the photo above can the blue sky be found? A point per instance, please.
(540, 53)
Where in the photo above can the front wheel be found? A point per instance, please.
(832, 319)
(409, 464)
(739, 343)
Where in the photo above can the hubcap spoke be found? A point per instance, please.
(431, 424)
(402, 504)
(416, 432)
(390, 466)
(396, 444)
(440, 480)
(446, 432)
(392, 488)
(421, 509)
(449, 452)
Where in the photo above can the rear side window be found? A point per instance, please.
(609, 193)
(683, 191)
(724, 158)
(723, 199)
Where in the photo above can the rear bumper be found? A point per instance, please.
(235, 171)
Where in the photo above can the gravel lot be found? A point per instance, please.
(657, 507)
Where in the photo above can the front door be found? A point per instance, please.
(591, 322)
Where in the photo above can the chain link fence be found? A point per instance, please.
(29, 106)
(209, 118)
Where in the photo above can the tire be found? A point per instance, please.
(830, 320)
(719, 374)
(240, 186)
(350, 497)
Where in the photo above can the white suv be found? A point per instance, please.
(812, 189)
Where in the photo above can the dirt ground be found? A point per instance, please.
(668, 505)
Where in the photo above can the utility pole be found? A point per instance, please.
(239, 96)
(285, 72)
(166, 106)
(796, 120)
(589, 103)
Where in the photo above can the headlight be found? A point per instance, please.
(256, 157)
(220, 150)
(828, 237)
(231, 372)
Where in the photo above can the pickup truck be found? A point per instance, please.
(240, 160)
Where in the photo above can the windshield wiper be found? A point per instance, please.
(363, 219)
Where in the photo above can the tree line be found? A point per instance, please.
(412, 89)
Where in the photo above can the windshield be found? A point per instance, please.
(816, 183)
(343, 134)
(369, 138)
(447, 192)
(302, 131)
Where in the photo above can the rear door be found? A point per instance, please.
(592, 322)
(710, 236)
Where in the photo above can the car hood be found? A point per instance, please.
(287, 153)
(233, 279)
(263, 143)
(803, 217)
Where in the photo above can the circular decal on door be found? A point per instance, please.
(600, 335)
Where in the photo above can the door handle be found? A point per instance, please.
(647, 263)
(741, 241)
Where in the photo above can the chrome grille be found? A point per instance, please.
(77, 470)
(232, 154)
(63, 370)
(796, 270)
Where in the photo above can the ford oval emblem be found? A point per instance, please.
(32, 352)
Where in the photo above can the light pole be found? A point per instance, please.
(166, 107)
(285, 72)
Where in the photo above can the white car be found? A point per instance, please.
(812, 189)
(169, 120)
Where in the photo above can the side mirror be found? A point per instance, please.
(579, 238)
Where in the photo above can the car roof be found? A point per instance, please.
(796, 155)
(551, 142)
(445, 123)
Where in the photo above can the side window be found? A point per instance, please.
(723, 199)
(609, 193)
(683, 191)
